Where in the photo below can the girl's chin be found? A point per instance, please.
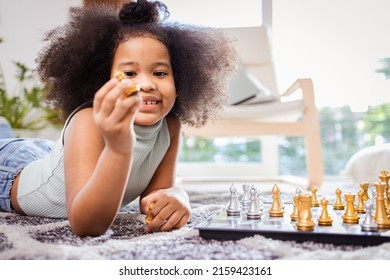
(146, 120)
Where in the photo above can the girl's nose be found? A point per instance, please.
(146, 84)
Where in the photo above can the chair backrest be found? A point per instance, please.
(255, 50)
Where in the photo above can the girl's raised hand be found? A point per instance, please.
(114, 115)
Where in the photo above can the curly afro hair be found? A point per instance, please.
(77, 60)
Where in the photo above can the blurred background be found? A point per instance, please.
(343, 46)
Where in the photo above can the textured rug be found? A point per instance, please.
(27, 238)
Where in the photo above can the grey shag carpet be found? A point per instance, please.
(27, 238)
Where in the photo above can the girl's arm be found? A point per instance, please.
(171, 204)
(98, 148)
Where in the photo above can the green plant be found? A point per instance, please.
(25, 108)
(385, 70)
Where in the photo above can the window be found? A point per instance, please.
(222, 156)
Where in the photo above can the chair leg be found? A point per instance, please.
(312, 134)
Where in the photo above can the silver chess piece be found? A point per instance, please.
(373, 198)
(254, 213)
(233, 208)
(280, 199)
(246, 201)
(259, 201)
(369, 224)
(237, 198)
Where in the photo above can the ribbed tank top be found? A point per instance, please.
(41, 189)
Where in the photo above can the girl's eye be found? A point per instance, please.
(160, 74)
(129, 74)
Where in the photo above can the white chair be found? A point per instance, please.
(281, 116)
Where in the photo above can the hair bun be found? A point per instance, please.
(143, 11)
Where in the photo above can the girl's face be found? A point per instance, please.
(146, 62)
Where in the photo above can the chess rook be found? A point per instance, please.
(350, 216)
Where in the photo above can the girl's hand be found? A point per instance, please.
(114, 115)
(171, 209)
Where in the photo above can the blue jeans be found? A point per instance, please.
(5, 129)
(15, 154)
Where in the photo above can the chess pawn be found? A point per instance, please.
(294, 215)
(237, 198)
(360, 209)
(259, 202)
(314, 202)
(339, 204)
(350, 216)
(276, 209)
(254, 213)
(380, 216)
(305, 222)
(233, 209)
(364, 187)
(324, 219)
(369, 224)
(246, 201)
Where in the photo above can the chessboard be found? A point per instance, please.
(343, 222)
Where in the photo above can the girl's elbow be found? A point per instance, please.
(83, 229)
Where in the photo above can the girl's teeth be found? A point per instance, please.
(150, 102)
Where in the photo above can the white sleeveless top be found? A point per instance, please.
(41, 189)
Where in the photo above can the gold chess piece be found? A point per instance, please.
(294, 215)
(132, 89)
(384, 177)
(364, 187)
(360, 208)
(380, 216)
(350, 216)
(276, 209)
(314, 202)
(149, 217)
(305, 222)
(324, 219)
(339, 204)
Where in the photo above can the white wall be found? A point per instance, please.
(337, 43)
(23, 24)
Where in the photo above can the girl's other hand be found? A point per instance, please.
(171, 209)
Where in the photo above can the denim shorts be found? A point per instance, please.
(15, 154)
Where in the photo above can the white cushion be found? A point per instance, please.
(366, 164)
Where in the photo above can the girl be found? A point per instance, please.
(114, 148)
